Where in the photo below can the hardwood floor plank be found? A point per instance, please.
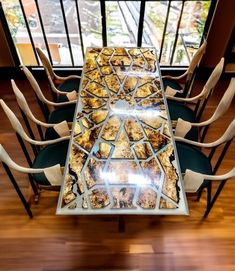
(89, 243)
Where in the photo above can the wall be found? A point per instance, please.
(6, 59)
(220, 32)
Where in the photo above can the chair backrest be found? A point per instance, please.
(15, 122)
(53, 173)
(20, 130)
(22, 102)
(193, 180)
(227, 136)
(46, 63)
(215, 76)
(183, 127)
(224, 103)
(195, 60)
(209, 87)
(34, 84)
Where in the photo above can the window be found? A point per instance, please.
(65, 28)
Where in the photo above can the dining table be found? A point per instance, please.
(122, 158)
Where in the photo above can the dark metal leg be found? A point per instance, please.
(204, 133)
(121, 223)
(33, 185)
(199, 194)
(208, 209)
(209, 187)
(14, 183)
(40, 132)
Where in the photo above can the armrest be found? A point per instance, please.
(180, 77)
(194, 143)
(64, 78)
(193, 180)
(46, 142)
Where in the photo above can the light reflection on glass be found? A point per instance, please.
(131, 178)
(139, 73)
(137, 113)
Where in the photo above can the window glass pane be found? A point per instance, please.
(122, 19)
(33, 23)
(171, 29)
(72, 24)
(191, 30)
(154, 21)
(55, 31)
(90, 16)
(19, 31)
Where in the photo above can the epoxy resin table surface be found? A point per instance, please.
(121, 157)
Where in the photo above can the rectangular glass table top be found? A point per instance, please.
(121, 158)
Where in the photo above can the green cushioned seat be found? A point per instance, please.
(62, 99)
(194, 159)
(173, 84)
(50, 156)
(60, 114)
(178, 110)
(51, 134)
(69, 85)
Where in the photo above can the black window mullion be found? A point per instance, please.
(103, 21)
(29, 32)
(43, 31)
(66, 30)
(177, 32)
(164, 30)
(80, 29)
(141, 23)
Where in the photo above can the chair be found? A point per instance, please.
(199, 101)
(187, 126)
(53, 130)
(58, 84)
(66, 110)
(193, 180)
(192, 158)
(52, 173)
(47, 153)
(180, 85)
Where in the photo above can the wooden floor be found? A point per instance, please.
(52, 243)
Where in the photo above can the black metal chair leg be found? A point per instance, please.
(208, 209)
(209, 187)
(199, 194)
(40, 132)
(33, 185)
(14, 183)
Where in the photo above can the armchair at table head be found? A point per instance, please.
(202, 164)
(53, 130)
(65, 84)
(183, 127)
(53, 175)
(180, 85)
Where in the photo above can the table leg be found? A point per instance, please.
(121, 223)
